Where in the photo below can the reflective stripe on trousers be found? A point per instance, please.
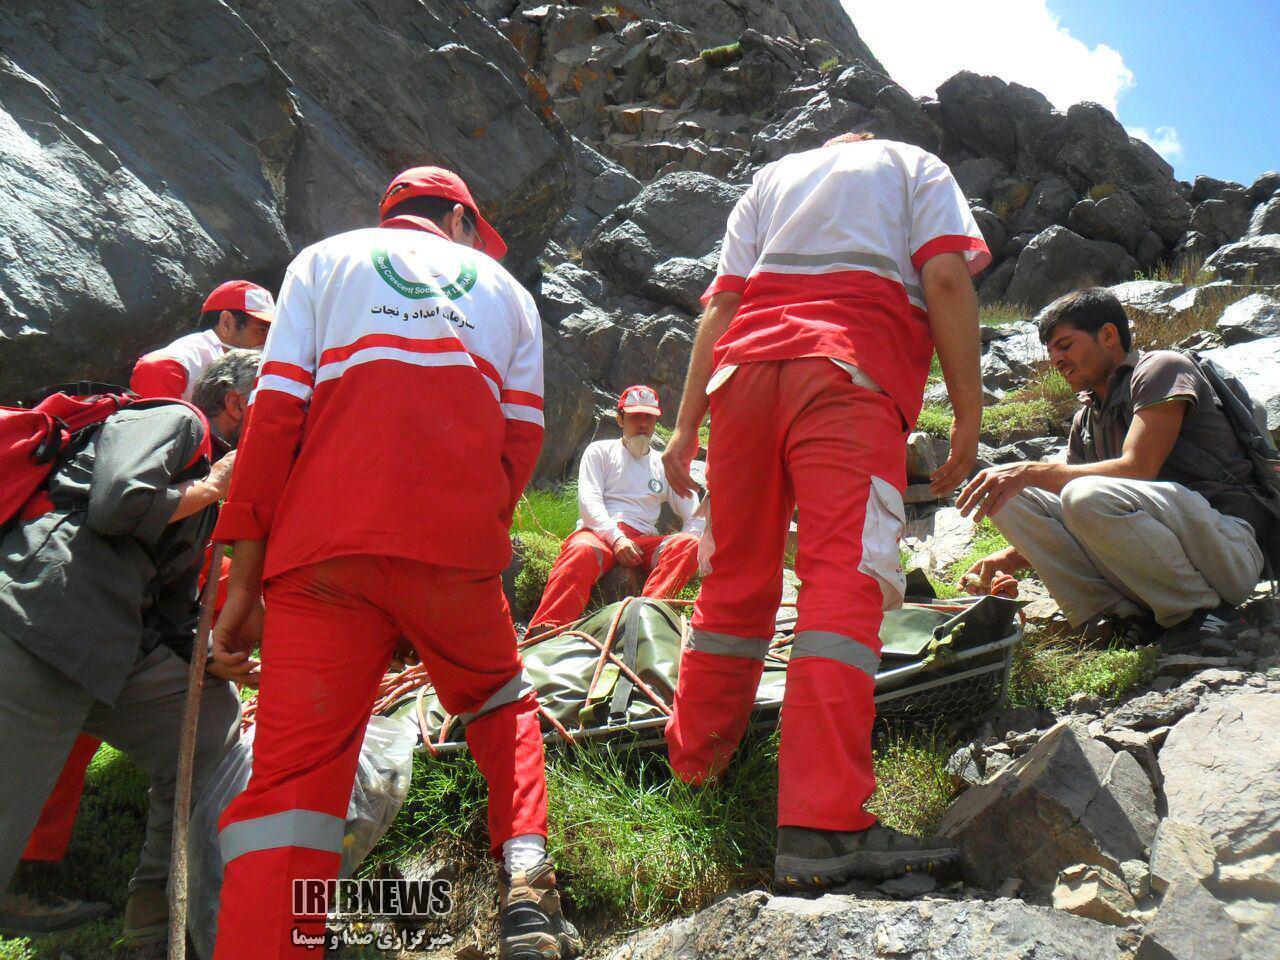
(306, 829)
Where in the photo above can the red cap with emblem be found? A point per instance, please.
(439, 182)
(639, 399)
(242, 295)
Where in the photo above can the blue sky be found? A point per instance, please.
(1200, 81)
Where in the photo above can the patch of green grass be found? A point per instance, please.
(724, 55)
(1043, 407)
(1012, 418)
(1002, 314)
(913, 787)
(935, 420)
(1046, 672)
(828, 64)
(634, 844)
(539, 553)
(1188, 271)
(551, 511)
(93, 941)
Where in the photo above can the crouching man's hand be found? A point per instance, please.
(995, 574)
(992, 488)
(627, 553)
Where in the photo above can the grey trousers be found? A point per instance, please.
(1107, 545)
(42, 712)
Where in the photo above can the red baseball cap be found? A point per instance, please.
(439, 182)
(242, 295)
(639, 399)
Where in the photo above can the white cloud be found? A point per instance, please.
(923, 43)
(1164, 140)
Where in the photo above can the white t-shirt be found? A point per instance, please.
(615, 487)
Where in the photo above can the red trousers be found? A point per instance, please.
(794, 433)
(329, 634)
(52, 833)
(585, 558)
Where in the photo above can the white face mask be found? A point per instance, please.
(638, 444)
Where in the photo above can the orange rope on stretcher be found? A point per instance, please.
(395, 686)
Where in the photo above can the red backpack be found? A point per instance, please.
(34, 439)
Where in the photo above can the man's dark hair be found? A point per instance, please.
(1088, 310)
(209, 319)
(235, 370)
(434, 209)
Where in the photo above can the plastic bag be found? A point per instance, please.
(382, 781)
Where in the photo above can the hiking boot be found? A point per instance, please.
(811, 859)
(25, 916)
(1132, 631)
(146, 916)
(1220, 623)
(530, 923)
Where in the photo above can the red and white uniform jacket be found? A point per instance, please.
(172, 371)
(826, 248)
(616, 487)
(398, 410)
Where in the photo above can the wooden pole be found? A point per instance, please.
(186, 759)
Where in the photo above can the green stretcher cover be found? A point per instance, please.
(928, 635)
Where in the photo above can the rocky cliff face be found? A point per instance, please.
(151, 150)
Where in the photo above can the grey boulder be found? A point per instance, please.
(664, 244)
(1050, 202)
(1147, 296)
(1115, 218)
(1252, 260)
(1191, 925)
(1254, 317)
(1058, 261)
(1223, 220)
(1094, 149)
(1222, 772)
(758, 926)
(1265, 218)
(1069, 800)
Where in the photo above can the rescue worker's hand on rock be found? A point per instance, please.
(964, 451)
(627, 553)
(681, 449)
(995, 486)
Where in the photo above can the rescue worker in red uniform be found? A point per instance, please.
(622, 486)
(842, 268)
(237, 314)
(396, 421)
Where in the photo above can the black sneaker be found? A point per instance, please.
(1220, 623)
(531, 924)
(817, 859)
(1134, 631)
(25, 916)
